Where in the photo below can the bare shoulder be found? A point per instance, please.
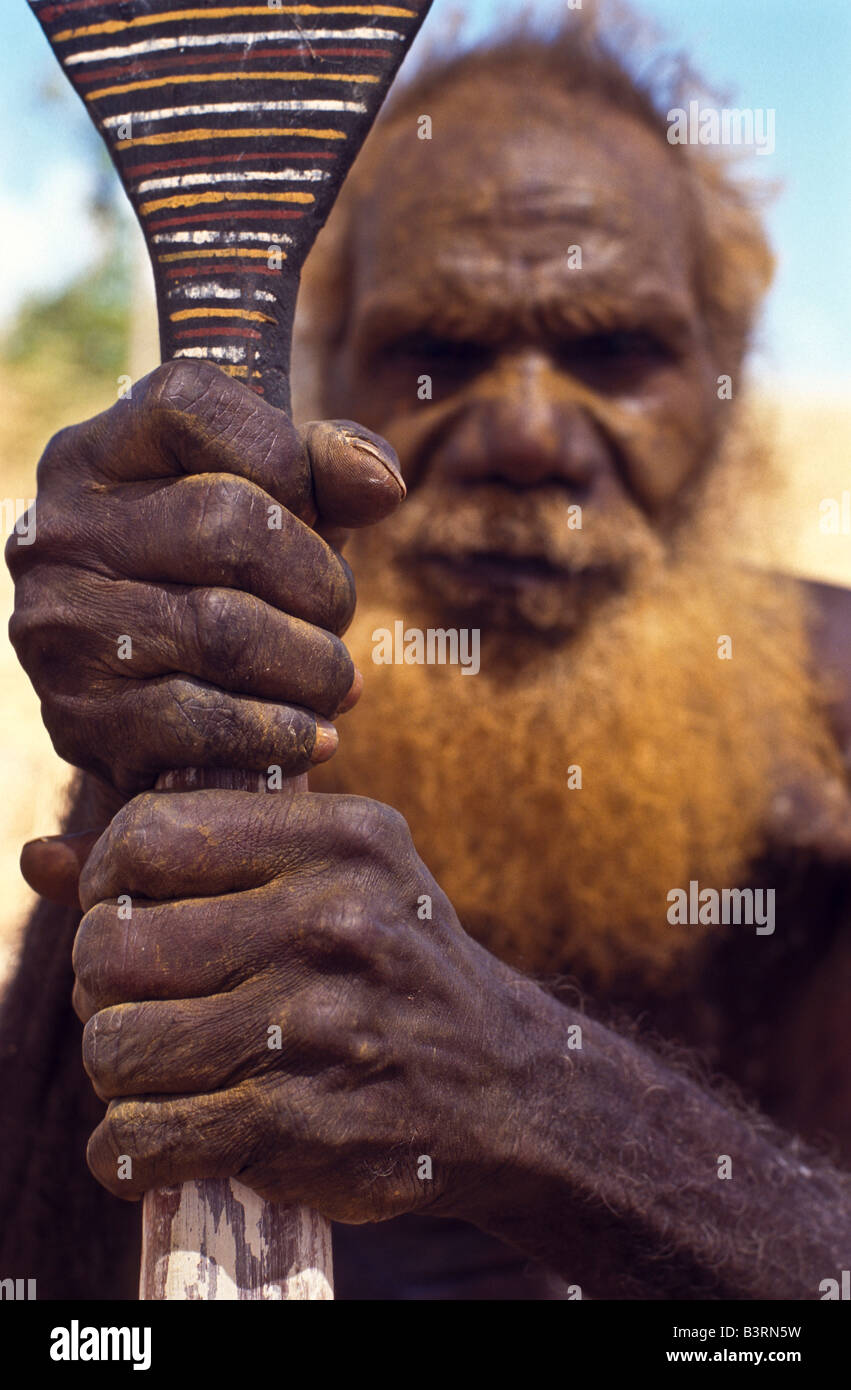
(829, 608)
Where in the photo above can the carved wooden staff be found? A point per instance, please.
(232, 127)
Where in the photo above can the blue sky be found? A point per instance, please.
(790, 55)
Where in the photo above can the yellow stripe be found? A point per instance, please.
(230, 77)
(231, 368)
(180, 137)
(201, 253)
(116, 26)
(220, 314)
(191, 200)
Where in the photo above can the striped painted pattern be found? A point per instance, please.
(232, 126)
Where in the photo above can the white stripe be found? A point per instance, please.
(192, 180)
(230, 354)
(203, 238)
(206, 291)
(209, 40)
(228, 108)
(261, 294)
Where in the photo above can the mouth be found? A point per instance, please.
(515, 591)
(495, 570)
(492, 567)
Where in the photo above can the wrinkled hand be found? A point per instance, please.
(176, 609)
(281, 1007)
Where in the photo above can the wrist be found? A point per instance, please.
(532, 1069)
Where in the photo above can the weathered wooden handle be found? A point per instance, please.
(216, 1239)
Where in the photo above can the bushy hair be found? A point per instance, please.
(609, 53)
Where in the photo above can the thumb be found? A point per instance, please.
(52, 865)
(356, 475)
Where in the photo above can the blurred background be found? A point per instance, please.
(76, 297)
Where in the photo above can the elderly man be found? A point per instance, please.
(639, 781)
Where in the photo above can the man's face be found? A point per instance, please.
(532, 262)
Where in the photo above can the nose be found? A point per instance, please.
(525, 424)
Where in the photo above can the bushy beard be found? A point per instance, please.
(680, 753)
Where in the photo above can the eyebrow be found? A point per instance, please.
(464, 316)
(666, 314)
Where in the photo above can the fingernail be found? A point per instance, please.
(326, 742)
(368, 446)
(354, 693)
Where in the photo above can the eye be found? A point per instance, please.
(622, 346)
(619, 360)
(449, 363)
(451, 351)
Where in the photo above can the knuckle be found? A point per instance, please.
(227, 519)
(332, 1017)
(24, 624)
(221, 622)
(345, 918)
(366, 827)
(62, 446)
(346, 927)
(367, 1050)
(51, 530)
(181, 383)
(102, 1049)
(123, 1131)
(208, 725)
(19, 547)
(51, 631)
(133, 834)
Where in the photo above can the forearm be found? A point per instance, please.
(615, 1180)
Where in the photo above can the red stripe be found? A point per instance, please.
(139, 169)
(144, 64)
(185, 272)
(239, 216)
(53, 11)
(214, 332)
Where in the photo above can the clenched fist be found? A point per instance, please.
(277, 989)
(176, 608)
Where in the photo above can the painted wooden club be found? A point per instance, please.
(232, 127)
